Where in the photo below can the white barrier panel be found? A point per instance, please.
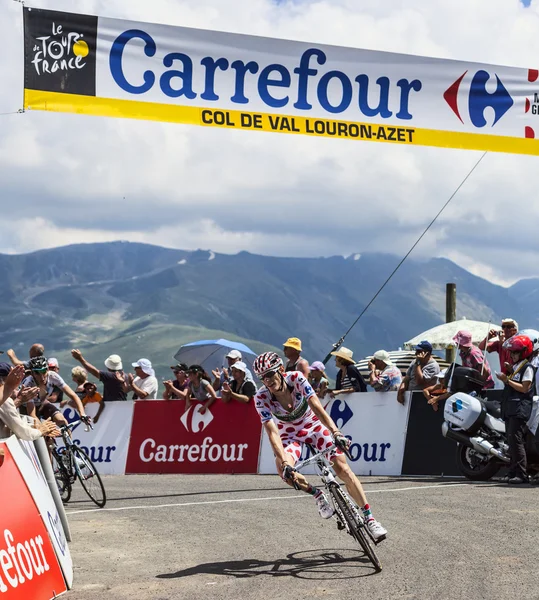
(28, 463)
(108, 442)
(376, 424)
(43, 456)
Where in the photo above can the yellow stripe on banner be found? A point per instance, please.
(235, 119)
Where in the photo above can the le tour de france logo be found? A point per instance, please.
(60, 52)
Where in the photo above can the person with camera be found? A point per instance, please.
(472, 357)
(509, 329)
(422, 371)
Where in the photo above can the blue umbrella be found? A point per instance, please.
(211, 354)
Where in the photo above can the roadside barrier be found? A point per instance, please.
(35, 560)
(166, 439)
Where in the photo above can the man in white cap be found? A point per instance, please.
(220, 377)
(384, 376)
(113, 379)
(144, 384)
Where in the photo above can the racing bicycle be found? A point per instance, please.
(347, 513)
(71, 463)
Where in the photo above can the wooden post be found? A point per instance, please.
(450, 314)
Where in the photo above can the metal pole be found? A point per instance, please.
(450, 314)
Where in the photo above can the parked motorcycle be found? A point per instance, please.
(477, 427)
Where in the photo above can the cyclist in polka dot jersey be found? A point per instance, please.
(292, 415)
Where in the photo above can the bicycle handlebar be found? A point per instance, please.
(314, 457)
(318, 455)
(73, 424)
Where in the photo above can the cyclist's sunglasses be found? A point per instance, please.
(39, 370)
(269, 375)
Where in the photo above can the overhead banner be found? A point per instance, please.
(110, 67)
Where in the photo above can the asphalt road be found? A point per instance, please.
(242, 536)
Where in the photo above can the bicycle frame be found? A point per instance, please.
(325, 468)
(65, 430)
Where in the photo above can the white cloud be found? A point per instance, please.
(70, 178)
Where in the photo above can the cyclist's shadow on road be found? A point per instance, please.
(311, 564)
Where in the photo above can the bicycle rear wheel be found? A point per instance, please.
(355, 527)
(88, 476)
(63, 481)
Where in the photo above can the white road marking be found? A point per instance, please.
(267, 499)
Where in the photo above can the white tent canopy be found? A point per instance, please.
(441, 337)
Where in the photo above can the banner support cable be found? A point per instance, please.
(341, 340)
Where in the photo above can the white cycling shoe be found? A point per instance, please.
(324, 507)
(376, 530)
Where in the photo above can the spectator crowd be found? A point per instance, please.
(33, 391)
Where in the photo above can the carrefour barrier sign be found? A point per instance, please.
(109, 67)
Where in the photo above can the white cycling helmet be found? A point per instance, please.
(533, 334)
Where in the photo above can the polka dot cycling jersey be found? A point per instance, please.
(300, 411)
(299, 425)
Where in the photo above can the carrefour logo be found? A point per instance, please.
(478, 99)
(341, 413)
(194, 420)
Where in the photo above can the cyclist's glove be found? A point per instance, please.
(342, 442)
(288, 470)
(87, 420)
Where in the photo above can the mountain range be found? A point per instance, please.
(142, 300)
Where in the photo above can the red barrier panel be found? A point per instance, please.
(28, 565)
(165, 439)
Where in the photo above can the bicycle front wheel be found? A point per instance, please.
(88, 476)
(355, 527)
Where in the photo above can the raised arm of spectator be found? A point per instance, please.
(13, 358)
(77, 355)
(12, 382)
(490, 346)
